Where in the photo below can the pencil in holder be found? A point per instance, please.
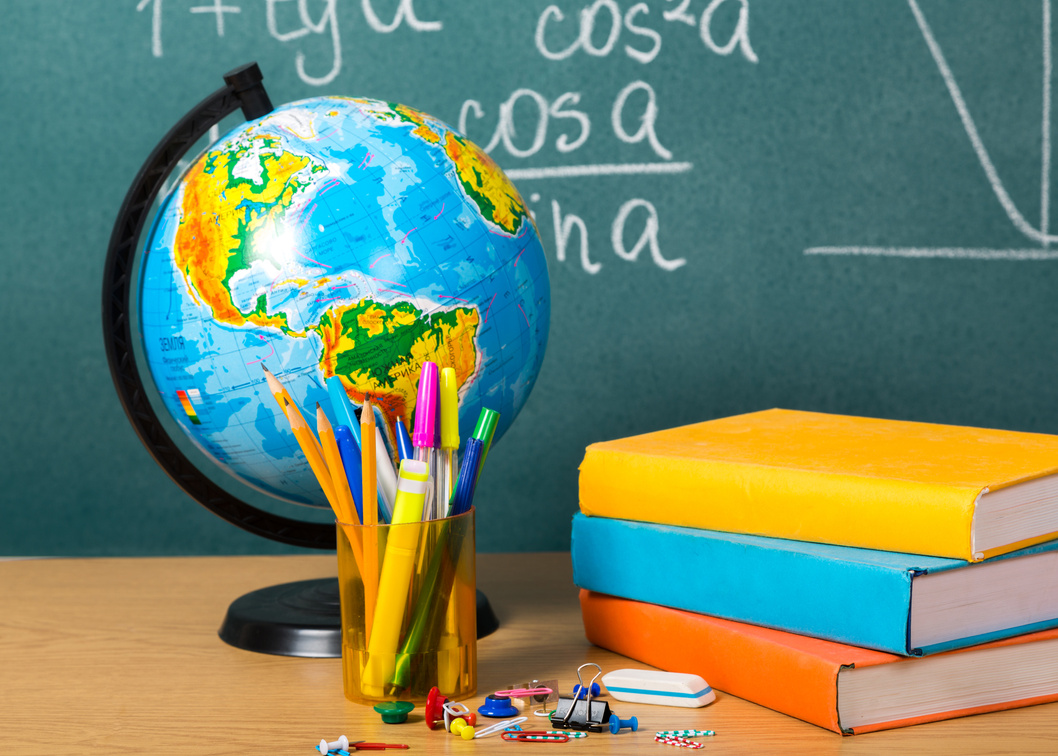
(409, 609)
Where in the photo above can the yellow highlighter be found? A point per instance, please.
(398, 564)
(449, 435)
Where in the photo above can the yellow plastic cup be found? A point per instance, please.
(409, 609)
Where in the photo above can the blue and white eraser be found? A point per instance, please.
(663, 688)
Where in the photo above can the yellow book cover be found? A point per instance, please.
(920, 488)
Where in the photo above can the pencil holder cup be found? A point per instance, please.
(409, 609)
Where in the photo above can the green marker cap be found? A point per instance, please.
(394, 712)
(485, 429)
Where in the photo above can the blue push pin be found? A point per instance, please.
(616, 723)
(578, 691)
(497, 706)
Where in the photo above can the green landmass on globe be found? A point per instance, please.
(338, 236)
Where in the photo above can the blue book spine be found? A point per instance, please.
(805, 588)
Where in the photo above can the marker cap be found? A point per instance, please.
(413, 469)
(486, 428)
(425, 433)
(449, 409)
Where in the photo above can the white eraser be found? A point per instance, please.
(664, 688)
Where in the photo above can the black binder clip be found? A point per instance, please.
(582, 713)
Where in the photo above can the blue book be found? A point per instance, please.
(901, 603)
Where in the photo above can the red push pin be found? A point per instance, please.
(435, 708)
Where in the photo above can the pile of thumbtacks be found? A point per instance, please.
(572, 717)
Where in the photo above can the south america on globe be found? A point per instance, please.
(337, 237)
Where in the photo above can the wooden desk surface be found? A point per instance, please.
(121, 656)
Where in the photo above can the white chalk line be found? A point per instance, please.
(602, 169)
(1045, 160)
(1012, 211)
(951, 253)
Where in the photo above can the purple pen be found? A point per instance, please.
(425, 434)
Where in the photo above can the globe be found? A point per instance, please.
(336, 237)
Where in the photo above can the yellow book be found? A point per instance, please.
(920, 488)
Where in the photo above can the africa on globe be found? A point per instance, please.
(337, 236)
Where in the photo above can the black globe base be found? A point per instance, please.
(304, 619)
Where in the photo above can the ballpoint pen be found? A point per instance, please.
(346, 414)
(404, 448)
(349, 450)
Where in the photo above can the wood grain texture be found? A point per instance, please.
(121, 656)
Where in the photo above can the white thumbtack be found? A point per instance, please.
(341, 744)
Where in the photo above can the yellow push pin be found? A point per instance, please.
(462, 729)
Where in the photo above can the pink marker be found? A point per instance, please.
(425, 436)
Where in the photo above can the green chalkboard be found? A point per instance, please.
(824, 205)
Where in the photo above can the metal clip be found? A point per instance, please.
(579, 713)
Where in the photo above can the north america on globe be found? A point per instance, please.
(337, 236)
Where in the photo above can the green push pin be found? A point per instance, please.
(394, 712)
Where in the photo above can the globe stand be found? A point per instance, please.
(293, 619)
(303, 619)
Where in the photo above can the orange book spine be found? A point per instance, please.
(792, 674)
(743, 660)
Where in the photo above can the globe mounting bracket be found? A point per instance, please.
(242, 90)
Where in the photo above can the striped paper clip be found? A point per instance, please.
(686, 733)
(535, 736)
(676, 740)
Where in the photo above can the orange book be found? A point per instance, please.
(843, 688)
(891, 485)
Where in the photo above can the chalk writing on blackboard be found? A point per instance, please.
(288, 26)
(605, 16)
(558, 124)
(574, 127)
(1038, 234)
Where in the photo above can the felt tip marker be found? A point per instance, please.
(486, 429)
(424, 436)
(449, 432)
(468, 477)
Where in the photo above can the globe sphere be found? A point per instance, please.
(337, 237)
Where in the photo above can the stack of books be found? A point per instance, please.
(856, 573)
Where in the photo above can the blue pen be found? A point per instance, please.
(404, 448)
(350, 451)
(468, 478)
(343, 408)
(346, 414)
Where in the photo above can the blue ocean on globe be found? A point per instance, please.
(337, 237)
